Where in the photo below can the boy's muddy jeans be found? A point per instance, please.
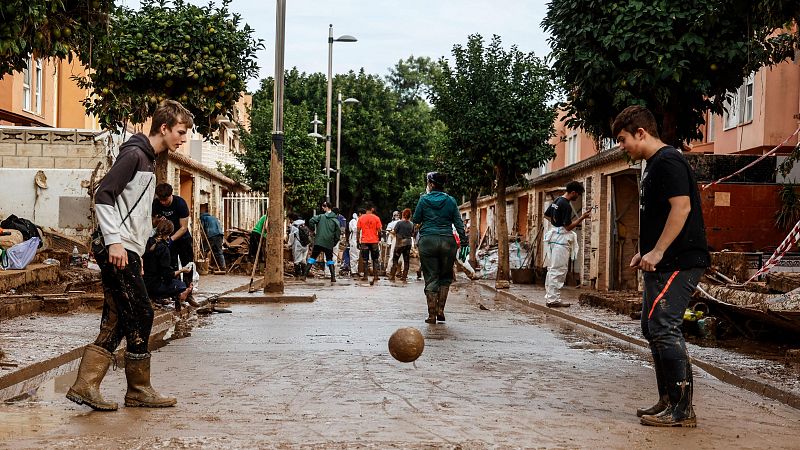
(665, 298)
(127, 311)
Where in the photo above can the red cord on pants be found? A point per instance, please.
(661, 294)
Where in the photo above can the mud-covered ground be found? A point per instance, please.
(762, 361)
(319, 375)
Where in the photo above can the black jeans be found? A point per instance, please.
(665, 298)
(316, 250)
(127, 311)
(370, 249)
(182, 248)
(437, 254)
(405, 252)
(216, 248)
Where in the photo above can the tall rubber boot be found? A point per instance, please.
(302, 272)
(307, 269)
(441, 299)
(432, 299)
(374, 275)
(663, 398)
(333, 273)
(366, 271)
(404, 277)
(393, 272)
(140, 392)
(680, 412)
(93, 368)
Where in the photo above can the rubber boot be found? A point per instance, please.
(366, 271)
(441, 299)
(393, 273)
(302, 272)
(404, 277)
(333, 273)
(93, 368)
(663, 398)
(432, 299)
(374, 275)
(140, 392)
(307, 270)
(680, 412)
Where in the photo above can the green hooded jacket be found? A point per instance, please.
(438, 212)
(327, 229)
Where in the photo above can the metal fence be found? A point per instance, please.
(242, 210)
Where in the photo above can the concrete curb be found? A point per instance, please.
(638, 344)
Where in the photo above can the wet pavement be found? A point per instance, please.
(319, 375)
(756, 363)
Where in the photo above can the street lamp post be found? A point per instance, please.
(315, 134)
(331, 40)
(339, 102)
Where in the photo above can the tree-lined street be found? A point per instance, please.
(319, 375)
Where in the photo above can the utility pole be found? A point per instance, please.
(273, 273)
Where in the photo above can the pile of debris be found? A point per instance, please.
(774, 302)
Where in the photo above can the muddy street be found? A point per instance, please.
(319, 375)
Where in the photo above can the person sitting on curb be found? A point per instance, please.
(161, 280)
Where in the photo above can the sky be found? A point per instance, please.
(387, 31)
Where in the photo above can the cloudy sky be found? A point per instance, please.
(387, 31)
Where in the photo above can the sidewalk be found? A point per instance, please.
(772, 378)
(41, 346)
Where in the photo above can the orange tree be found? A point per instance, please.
(46, 28)
(198, 55)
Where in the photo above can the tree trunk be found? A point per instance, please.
(501, 229)
(474, 230)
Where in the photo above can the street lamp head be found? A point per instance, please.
(316, 122)
(316, 135)
(350, 100)
(346, 38)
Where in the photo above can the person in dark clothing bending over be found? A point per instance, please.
(123, 203)
(159, 277)
(673, 254)
(175, 209)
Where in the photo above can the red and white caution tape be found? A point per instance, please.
(769, 153)
(785, 246)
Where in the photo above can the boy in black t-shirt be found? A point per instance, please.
(559, 242)
(175, 209)
(673, 255)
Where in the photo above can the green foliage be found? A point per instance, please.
(232, 172)
(789, 213)
(46, 28)
(495, 105)
(198, 55)
(303, 178)
(412, 78)
(677, 57)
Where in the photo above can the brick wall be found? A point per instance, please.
(43, 148)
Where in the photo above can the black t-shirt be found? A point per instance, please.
(559, 212)
(668, 175)
(176, 211)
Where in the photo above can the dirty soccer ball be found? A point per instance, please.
(406, 344)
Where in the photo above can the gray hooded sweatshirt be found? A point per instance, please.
(131, 181)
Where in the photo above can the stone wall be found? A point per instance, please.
(43, 148)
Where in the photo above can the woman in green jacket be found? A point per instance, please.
(437, 214)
